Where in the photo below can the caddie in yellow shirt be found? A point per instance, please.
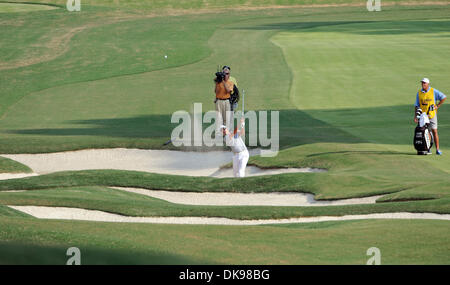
(426, 99)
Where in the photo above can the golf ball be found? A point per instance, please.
(165, 56)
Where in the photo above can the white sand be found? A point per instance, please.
(156, 161)
(91, 215)
(5, 176)
(245, 199)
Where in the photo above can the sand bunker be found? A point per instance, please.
(246, 199)
(92, 215)
(156, 161)
(5, 176)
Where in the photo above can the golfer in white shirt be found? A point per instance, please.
(240, 152)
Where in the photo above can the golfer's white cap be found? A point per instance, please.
(223, 127)
(426, 80)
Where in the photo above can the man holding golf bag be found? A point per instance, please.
(426, 100)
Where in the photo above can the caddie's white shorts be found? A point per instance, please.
(434, 123)
(239, 163)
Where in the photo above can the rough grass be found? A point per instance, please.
(30, 241)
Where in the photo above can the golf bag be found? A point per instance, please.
(234, 98)
(423, 138)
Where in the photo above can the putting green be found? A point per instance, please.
(361, 75)
(18, 7)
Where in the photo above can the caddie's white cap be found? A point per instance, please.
(426, 80)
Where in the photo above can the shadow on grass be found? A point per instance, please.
(289, 26)
(361, 27)
(150, 126)
(296, 128)
(20, 253)
(362, 152)
(380, 125)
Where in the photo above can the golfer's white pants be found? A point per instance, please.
(223, 114)
(239, 163)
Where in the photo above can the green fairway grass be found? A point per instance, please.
(31, 241)
(366, 74)
(215, 5)
(343, 79)
(10, 166)
(128, 111)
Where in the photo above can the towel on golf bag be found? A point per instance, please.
(423, 120)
